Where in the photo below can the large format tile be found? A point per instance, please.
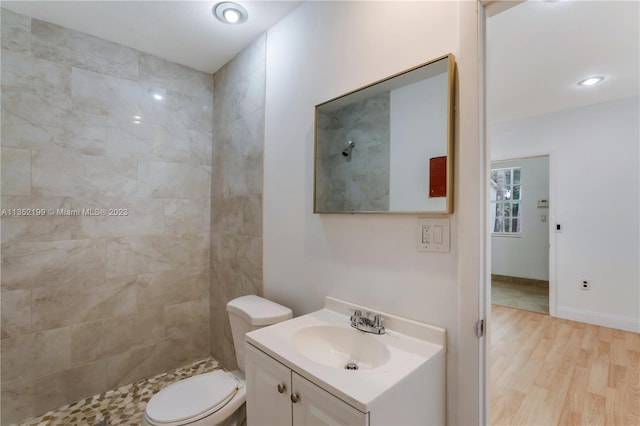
(119, 98)
(16, 171)
(16, 32)
(136, 255)
(74, 174)
(240, 215)
(187, 215)
(189, 323)
(171, 76)
(239, 254)
(142, 362)
(99, 339)
(200, 146)
(55, 129)
(149, 141)
(33, 355)
(16, 312)
(25, 398)
(32, 86)
(69, 47)
(118, 216)
(250, 59)
(172, 180)
(82, 130)
(189, 112)
(46, 227)
(160, 289)
(58, 306)
(77, 263)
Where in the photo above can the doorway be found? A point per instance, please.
(519, 228)
(543, 367)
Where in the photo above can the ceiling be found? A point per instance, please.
(537, 52)
(185, 32)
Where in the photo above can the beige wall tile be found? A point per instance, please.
(162, 73)
(16, 32)
(160, 289)
(16, 171)
(227, 215)
(187, 216)
(27, 398)
(119, 216)
(131, 293)
(16, 313)
(32, 355)
(189, 322)
(100, 339)
(68, 173)
(173, 180)
(136, 255)
(35, 228)
(58, 44)
(67, 263)
(236, 193)
(58, 306)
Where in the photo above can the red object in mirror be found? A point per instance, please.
(438, 177)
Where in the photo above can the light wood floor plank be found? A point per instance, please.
(549, 371)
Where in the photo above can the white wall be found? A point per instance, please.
(418, 119)
(319, 51)
(527, 254)
(595, 182)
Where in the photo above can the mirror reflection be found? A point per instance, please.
(387, 147)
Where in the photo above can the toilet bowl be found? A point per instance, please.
(216, 398)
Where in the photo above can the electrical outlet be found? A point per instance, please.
(433, 235)
(585, 285)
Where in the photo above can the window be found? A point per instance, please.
(505, 201)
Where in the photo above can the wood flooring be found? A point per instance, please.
(549, 371)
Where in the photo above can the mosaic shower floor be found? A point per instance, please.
(123, 406)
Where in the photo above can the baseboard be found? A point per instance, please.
(519, 280)
(598, 318)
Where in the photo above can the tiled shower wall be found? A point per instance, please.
(93, 302)
(360, 183)
(236, 197)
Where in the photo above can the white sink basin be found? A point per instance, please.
(317, 346)
(336, 346)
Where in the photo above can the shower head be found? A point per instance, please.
(347, 150)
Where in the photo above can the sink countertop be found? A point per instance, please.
(411, 345)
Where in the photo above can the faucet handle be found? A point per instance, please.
(378, 321)
(356, 314)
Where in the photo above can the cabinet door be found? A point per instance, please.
(268, 390)
(317, 407)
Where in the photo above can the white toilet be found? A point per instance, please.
(216, 398)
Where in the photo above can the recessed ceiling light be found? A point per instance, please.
(230, 13)
(157, 96)
(590, 81)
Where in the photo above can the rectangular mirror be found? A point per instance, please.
(388, 147)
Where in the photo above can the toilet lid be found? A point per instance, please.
(192, 398)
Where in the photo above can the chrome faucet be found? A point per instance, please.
(364, 323)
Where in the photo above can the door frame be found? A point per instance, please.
(486, 9)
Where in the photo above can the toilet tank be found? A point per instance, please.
(248, 313)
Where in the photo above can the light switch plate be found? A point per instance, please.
(433, 235)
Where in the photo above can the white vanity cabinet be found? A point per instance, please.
(277, 396)
(297, 373)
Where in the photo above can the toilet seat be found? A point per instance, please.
(192, 399)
